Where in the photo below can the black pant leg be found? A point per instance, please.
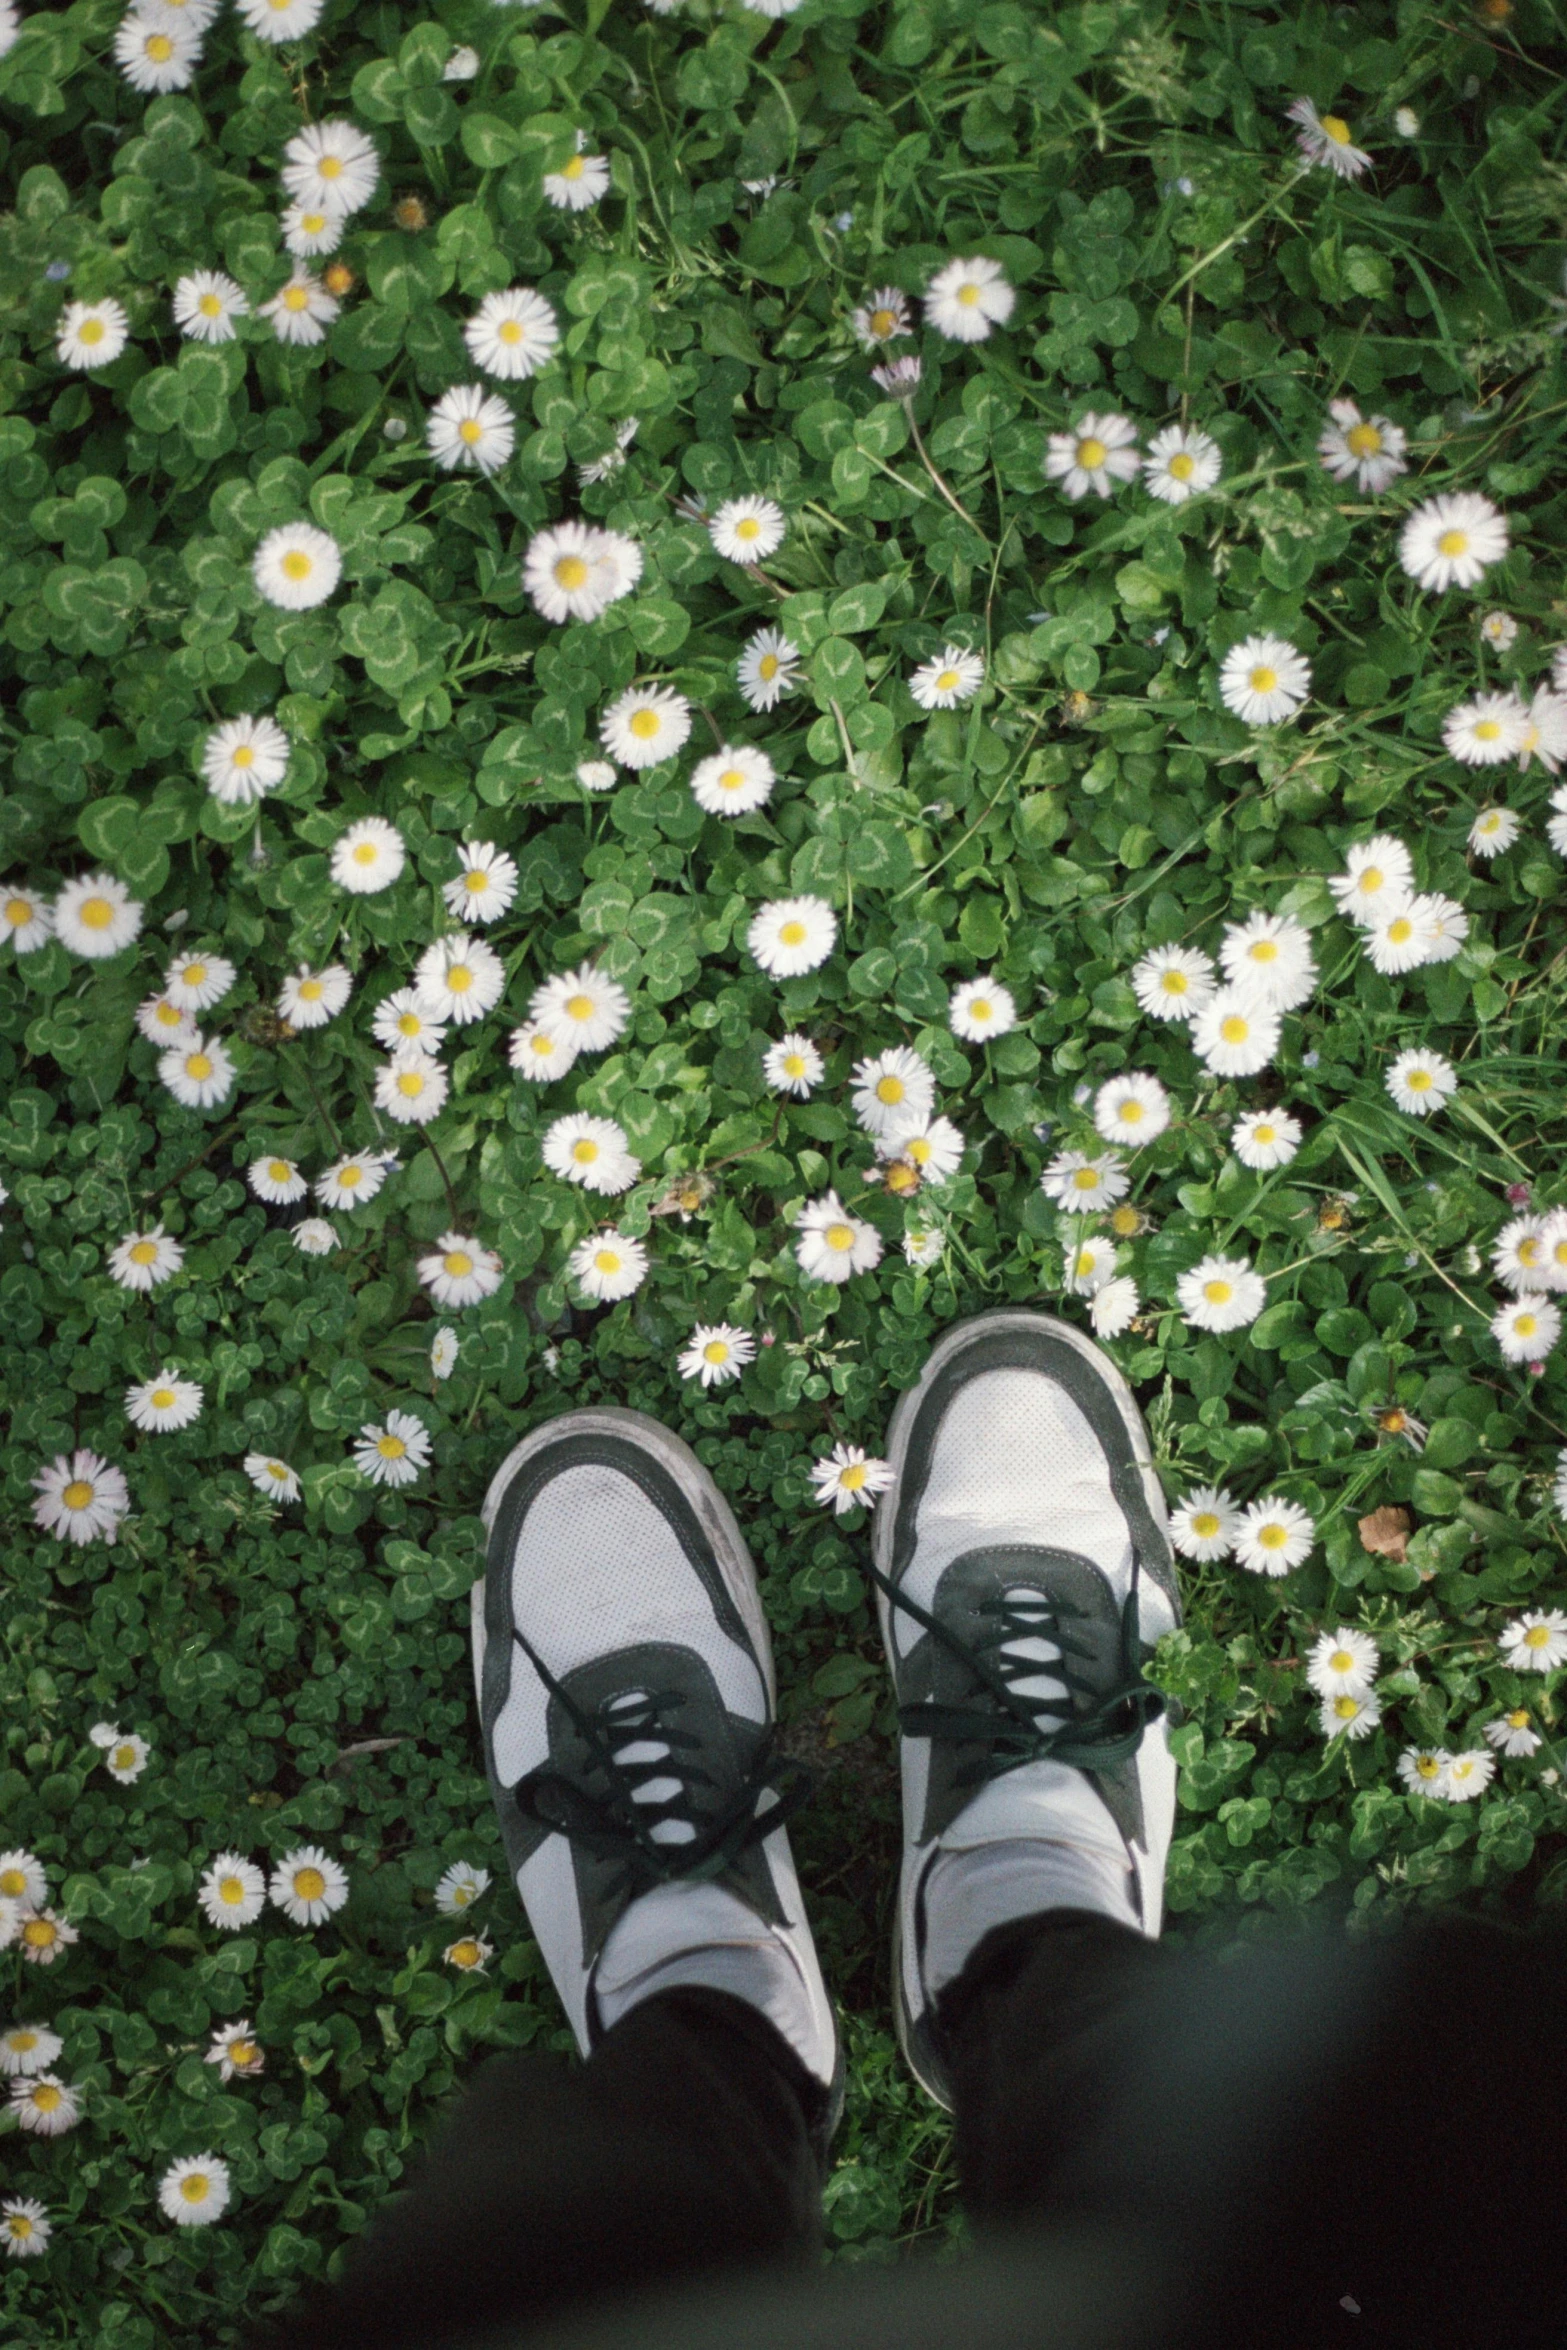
(684, 2147)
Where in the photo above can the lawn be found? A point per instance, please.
(698, 550)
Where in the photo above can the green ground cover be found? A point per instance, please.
(298, 1667)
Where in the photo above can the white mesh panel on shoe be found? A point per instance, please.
(598, 1568)
(1014, 1461)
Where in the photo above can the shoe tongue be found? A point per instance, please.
(674, 1918)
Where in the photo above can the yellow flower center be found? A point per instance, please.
(458, 1263)
(162, 1399)
(23, 2043)
(278, 1472)
(839, 1237)
(881, 324)
(144, 1252)
(90, 331)
(309, 1883)
(1264, 680)
(1525, 1326)
(948, 681)
(1517, 1721)
(792, 934)
(366, 852)
(1234, 1029)
(296, 564)
(18, 2227)
(732, 779)
(716, 1351)
(1091, 454)
(198, 1066)
(1400, 930)
(1085, 1179)
(242, 2054)
(1126, 1223)
(1264, 1134)
(13, 1884)
(1427, 1767)
(571, 573)
(159, 48)
(78, 1494)
(890, 1089)
(509, 331)
(330, 166)
(1218, 1293)
(541, 1044)
(1341, 1661)
(853, 1477)
(47, 2098)
(794, 1065)
(1273, 1536)
(1174, 983)
(1182, 466)
(459, 978)
(18, 912)
(1263, 950)
(349, 1178)
(125, 1756)
(767, 668)
(296, 297)
(981, 1008)
(1129, 1111)
(1419, 1080)
(605, 1260)
(312, 223)
(1487, 731)
(968, 295)
(210, 306)
(645, 724)
(1346, 1708)
(196, 2188)
(585, 1151)
(572, 170)
(40, 1934)
(902, 1176)
(1363, 440)
(1205, 1525)
(97, 913)
(411, 1083)
(748, 527)
(231, 1890)
(1337, 129)
(579, 1007)
(465, 1953)
(1453, 543)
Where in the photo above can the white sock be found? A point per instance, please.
(702, 1935)
(969, 1892)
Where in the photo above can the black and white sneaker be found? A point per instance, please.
(626, 1691)
(1023, 1574)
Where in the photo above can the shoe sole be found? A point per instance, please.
(912, 2040)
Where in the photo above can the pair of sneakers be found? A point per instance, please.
(627, 1694)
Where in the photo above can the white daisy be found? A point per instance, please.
(301, 310)
(154, 57)
(1324, 139)
(236, 2052)
(195, 982)
(1221, 1293)
(934, 1147)
(1545, 732)
(194, 2193)
(309, 231)
(27, 2048)
(102, 1735)
(1096, 454)
(297, 567)
(790, 936)
(368, 857)
(513, 334)
(46, 2106)
(23, 1878)
(459, 1887)
(1264, 680)
(461, 1271)
(1488, 731)
(470, 426)
(833, 1244)
(198, 1072)
(592, 1152)
(596, 775)
(1499, 630)
(1537, 1642)
(747, 530)
(608, 1265)
(1086, 1265)
(893, 1089)
(95, 916)
(404, 1023)
(575, 571)
(163, 1023)
(1173, 983)
(1343, 1660)
(462, 977)
(44, 1936)
(351, 1181)
(126, 1759)
(980, 1009)
(1081, 1186)
(232, 1892)
(145, 1260)
(847, 1479)
(394, 1454)
(244, 759)
(1235, 1034)
(1450, 542)
(206, 304)
(881, 318)
(1527, 1329)
(463, 65)
(1398, 942)
(735, 781)
(1555, 1238)
(314, 1237)
(900, 379)
(645, 725)
(1367, 450)
(1115, 1308)
(485, 887)
(792, 1065)
(718, 1352)
(538, 1054)
(1469, 1774)
(91, 334)
(332, 165)
(1511, 1735)
(25, 2227)
(581, 1009)
(1349, 1713)
(1269, 958)
(767, 668)
(1443, 926)
(163, 1403)
(1420, 1083)
(443, 1354)
(309, 999)
(581, 182)
(922, 1247)
(952, 677)
(1423, 1770)
(270, 1475)
(412, 1088)
(1180, 463)
(26, 917)
(1273, 1536)
(1134, 1109)
(1378, 875)
(1203, 1525)
(603, 468)
(1520, 1255)
(967, 298)
(1265, 1139)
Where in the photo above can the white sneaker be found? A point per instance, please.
(1024, 1575)
(626, 1691)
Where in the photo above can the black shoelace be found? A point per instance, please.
(607, 1811)
(1089, 1730)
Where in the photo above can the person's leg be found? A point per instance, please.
(687, 2146)
(625, 1691)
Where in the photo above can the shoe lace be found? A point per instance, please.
(1012, 1724)
(645, 1799)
